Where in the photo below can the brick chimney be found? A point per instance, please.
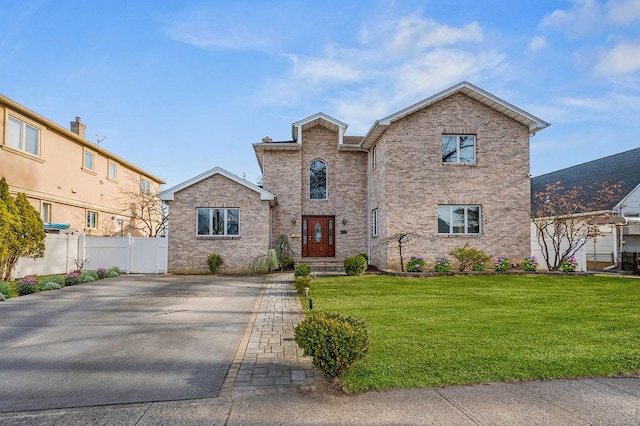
(267, 139)
(79, 128)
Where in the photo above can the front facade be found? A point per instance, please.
(73, 183)
(451, 169)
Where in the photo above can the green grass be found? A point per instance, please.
(484, 328)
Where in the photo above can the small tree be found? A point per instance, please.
(400, 239)
(142, 206)
(468, 256)
(566, 218)
(21, 230)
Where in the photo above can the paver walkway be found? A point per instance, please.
(268, 359)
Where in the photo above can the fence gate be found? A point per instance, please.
(630, 261)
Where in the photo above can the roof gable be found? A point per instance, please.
(265, 195)
(532, 122)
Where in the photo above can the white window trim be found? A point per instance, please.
(225, 235)
(86, 151)
(145, 189)
(109, 164)
(466, 219)
(374, 160)
(25, 121)
(42, 210)
(96, 220)
(458, 136)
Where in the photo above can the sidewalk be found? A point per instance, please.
(271, 383)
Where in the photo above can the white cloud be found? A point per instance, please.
(622, 59)
(537, 44)
(623, 11)
(324, 69)
(583, 17)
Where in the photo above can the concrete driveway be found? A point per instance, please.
(122, 340)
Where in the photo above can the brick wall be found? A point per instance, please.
(188, 252)
(410, 181)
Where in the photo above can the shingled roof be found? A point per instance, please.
(623, 168)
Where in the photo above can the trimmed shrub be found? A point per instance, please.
(301, 282)
(334, 341)
(416, 264)
(355, 265)
(93, 274)
(102, 273)
(86, 278)
(214, 261)
(27, 285)
(469, 256)
(114, 269)
(286, 262)
(50, 285)
(113, 274)
(302, 270)
(72, 278)
(58, 279)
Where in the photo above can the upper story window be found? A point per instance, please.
(458, 219)
(23, 136)
(458, 149)
(218, 221)
(145, 186)
(318, 180)
(45, 212)
(89, 161)
(112, 170)
(374, 160)
(374, 222)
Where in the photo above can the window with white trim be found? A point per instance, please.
(145, 186)
(23, 136)
(92, 220)
(455, 219)
(112, 170)
(458, 149)
(45, 212)
(318, 180)
(218, 222)
(373, 158)
(89, 160)
(374, 222)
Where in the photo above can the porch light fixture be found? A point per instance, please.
(344, 221)
(293, 221)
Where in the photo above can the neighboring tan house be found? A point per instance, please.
(76, 185)
(449, 170)
(622, 233)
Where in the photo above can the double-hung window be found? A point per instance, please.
(112, 171)
(145, 187)
(458, 149)
(45, 212)
(23, 136)
(218, 221)
(459, 219)
(92, 220)
(89, 161)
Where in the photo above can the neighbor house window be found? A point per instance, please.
(218, 221)
(89, 161)
(458, 149)
(318, 180)
(23, 136)
(458, 219)
(45, 212)
(145, 186)
(112, 172)
(92, 220)
(374, 222)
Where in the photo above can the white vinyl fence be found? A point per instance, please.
(581, 255)
(133, 255)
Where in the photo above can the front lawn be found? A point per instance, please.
(471, 329)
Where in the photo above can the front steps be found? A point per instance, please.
(322, 265)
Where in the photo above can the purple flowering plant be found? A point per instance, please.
(500, 263)
(72, 278)
(416, 264)
(442, 265)
(27, 285)
(530, 264)
(102, 273)
(569, 265)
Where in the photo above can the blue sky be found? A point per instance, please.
(179, 87)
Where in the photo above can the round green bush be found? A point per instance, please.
(355, 265)
(114, 269)
(214, 261)
(50, 285)
(86, 278)
(27, 285)
(113, 274)
(334, 341)
(302, 270)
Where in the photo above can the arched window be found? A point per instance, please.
(318, 180)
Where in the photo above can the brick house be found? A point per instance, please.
(451, 169)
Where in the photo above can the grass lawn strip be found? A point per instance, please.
(473, 329)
